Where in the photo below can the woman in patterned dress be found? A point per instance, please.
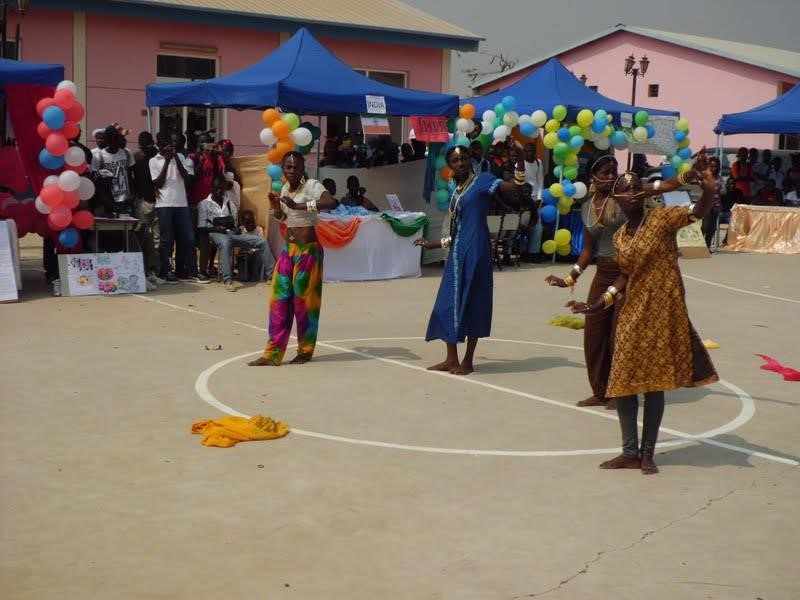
(656, 348)
(463, 307)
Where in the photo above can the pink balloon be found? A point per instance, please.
(83, 219)
(56, 144)
(52, 195)
(43, 130)
(59, 218)
(71, 200)
(75, 112)
(64, 99)
(44, 103)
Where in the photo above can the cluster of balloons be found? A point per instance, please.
(442, 183)
(559, 198)
(680, 161)
(61, 194)
(284, 133)
(560, 243)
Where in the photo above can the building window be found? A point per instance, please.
(343, 124)
(180, 69)
(593, 88)
(11, 50)
(652, 90)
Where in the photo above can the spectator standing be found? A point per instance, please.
(114, 163)
(145, 206)
(711, 220)
(742, 174)
(762, 169)
(170, 172)
(479, 163)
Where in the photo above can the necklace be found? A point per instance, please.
(638, 232)
(459, 192)
(598, 214)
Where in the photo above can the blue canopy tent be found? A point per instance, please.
(304, 77)
(781, 115)
(19, 72)
(550, 85)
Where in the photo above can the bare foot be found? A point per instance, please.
(443, 366)
(300, 360)
(593, 401)
(611, 404)
(648, 465)
(462, 369)
(262, 362)
(622, 462)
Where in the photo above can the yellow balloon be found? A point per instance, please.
(565, 203)
(550, 140)
(608, 130)
(585, 118)
(557, 190)
(563, 210)
(682, 124)
(571, 160)
(565, 250)
(552, 125)
(685, 143)
(587, 132)
(562, 237)
(549, 247)
(684, 167)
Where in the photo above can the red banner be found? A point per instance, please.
(430, 129)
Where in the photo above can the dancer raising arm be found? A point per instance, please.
(463, 307)
(656, 348)
(297, 278)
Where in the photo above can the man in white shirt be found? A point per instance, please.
(170, 171)
(114, 163)
(218, 215)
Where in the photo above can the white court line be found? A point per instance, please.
(741, 291)
(744, 415)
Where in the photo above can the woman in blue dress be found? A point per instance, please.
(463, 308)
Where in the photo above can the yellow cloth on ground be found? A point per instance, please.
(568, 321)
(229, 431)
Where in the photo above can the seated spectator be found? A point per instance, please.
(479, 163)
(251, 260)
(791, 197)
(776, 172)
(249, 224)
(330, 150)
(742, 174)
(330, 185)
(769, 195)
(762, 169)
(217, 217)
(355, 195)
(793, 174)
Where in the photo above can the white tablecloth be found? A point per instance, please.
(376, 252)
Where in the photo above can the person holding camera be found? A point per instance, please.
(217, 215)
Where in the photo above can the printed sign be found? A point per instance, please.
(663, 142)
(430, 129)
(375, 126)
(9, 262)
(394, 202)
(626, 119)
(101, 274)
(376, 105)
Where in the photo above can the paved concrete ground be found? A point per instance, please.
(105, 494)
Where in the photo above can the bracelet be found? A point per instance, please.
(569, 280)
(446, 241)
(577, 268)
(612, 290)
(311, 206)
(608, 299)
(692, 217)
(657, 184)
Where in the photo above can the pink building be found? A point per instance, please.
(113, 48)
(699, 76)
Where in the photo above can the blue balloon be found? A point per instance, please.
(558, 171)
(53, 117)
(599, 125)
(563, 134)
(676, 161)
(601, 115)
(548, 199)
(569, 188)
(651, 131)
(509, 102)
(680, 136)
(668, 172)
(618, 139)
(685, 153)
(49, 161)
(275, 172)
(548, 213)
(576, 141)
(68, 237)
(527, 129)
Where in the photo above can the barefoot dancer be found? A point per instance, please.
(297, 278)
(463, 306)
(656, 348)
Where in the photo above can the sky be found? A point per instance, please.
(525, 29)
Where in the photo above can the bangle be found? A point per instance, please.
(577, 268)
(569, 280)
(692, 217)
(311, 206)
(446, 241)
(608, 299)
(612, 290)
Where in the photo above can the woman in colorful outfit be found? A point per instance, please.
(463, 307)
(297, 278)
(656, 348)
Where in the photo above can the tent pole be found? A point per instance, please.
(319, 137)
(149, 121)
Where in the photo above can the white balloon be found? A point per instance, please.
(539, 118)
(74, 157)
(68, 85)
(50, 180)
(69, 181)
(511, 119)
(487, 127)
(501, 133)
(580, 190)
(462, 125)
(525, 119)
(267, 137)
(602, 143)
(489, 116)
(301, 136)
(85, 189)
(640, 134)
(41, 206)
(471, 127)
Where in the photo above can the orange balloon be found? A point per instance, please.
(467, 111)
(269, 116)
(281, 130)
(446, 173)
(283, 147)
(273, 156)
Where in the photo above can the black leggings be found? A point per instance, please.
(627, 410)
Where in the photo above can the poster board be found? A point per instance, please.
(663, 142)
(9, 262)
(691, 242)
(430, 129)
(105, 274)
(375, 126)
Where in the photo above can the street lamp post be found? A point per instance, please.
(635, 71)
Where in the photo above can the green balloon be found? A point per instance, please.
(559, 112)
(561, 150)
(486, 140)
(500, 111)
(441, 163)
(571, 173)
(557, 171)
(305, 149)
(292, 120)
(575, 130)
(451, 125)
(641, 118)
(277, 186)
(442, 196)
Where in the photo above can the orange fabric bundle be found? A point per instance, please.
(229, 431)
(337, 234)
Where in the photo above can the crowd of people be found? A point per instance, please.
(764, 180)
